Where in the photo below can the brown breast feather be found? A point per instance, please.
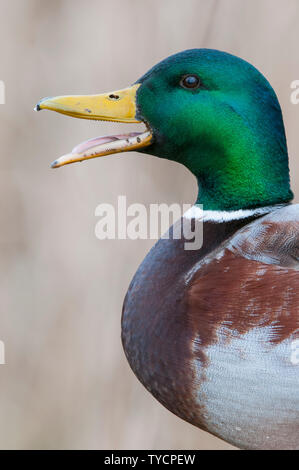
(251, 280)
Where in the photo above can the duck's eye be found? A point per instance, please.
(190, 81)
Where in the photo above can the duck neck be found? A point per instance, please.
(242, 168)
(235, 181)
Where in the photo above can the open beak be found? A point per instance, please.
(119, 106)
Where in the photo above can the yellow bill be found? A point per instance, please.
(119, 106)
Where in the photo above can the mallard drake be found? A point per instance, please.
(212, 333)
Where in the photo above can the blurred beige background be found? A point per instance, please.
(66, 383)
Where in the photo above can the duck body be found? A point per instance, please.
(215, 343)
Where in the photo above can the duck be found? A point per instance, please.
(212, 333)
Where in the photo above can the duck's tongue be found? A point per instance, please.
(91, 143)
(105, 145)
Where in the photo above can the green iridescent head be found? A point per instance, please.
(218, 115)
(208, 110)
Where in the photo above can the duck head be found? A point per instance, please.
(208, 110)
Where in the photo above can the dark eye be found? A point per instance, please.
(190, 81)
